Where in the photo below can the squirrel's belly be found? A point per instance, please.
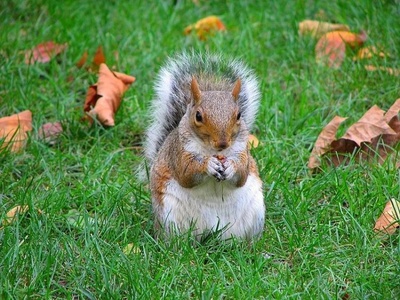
(215, 206)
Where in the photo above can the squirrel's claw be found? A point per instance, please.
(215, 169)
(230, 169)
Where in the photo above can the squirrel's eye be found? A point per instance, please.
(238, 116)
(199, 118)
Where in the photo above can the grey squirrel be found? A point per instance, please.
(202, 175)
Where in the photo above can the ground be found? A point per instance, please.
(318, 241)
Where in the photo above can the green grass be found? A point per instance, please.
(318, 228)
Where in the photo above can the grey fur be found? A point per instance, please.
(173, 94)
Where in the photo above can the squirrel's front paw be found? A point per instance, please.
(215, 168)
(230, 169)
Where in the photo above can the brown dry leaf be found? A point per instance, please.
(82, 60)
(369, 52)
(316, 28)
(389, 220)
(253, 141)
(104, 98)
(44, 52)
(331, 47)
(374, 134)
(325, 138)
(205, 27)
(371, 125)
(99, 57)
(391, 71)
(14, 130)
(50, 131)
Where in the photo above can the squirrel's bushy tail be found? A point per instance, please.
(173, 92)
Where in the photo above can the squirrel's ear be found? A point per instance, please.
(236, 89)
(195, 90)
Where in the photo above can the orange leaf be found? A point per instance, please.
(389, 220)
(104, 98)
(253, 141)
(205, 27)
(325, 138)
(44, 52)
(331, 47)
(316, 29)
(14, 130)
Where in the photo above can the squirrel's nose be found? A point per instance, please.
(222, 145)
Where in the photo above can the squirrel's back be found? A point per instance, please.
(173, 94)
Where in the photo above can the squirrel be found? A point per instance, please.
(203, 178)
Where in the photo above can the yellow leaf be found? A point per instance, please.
(131, 249)
(316, 29)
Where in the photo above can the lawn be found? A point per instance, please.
(86, 203)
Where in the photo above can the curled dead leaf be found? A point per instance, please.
(104, 98)
(14, 130)
(205, 27)
(373, 136)
(316, 28)
(389, 220)
(324, 140)
(44, 52)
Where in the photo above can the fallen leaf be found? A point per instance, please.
(99, 57)
(391, 71)
(82, 60)
(316, 28)
(389, 220)
(374, 135)
(331, 47)
(325, 138)
(205, 27)
(104, 98)
(13, 213)
(50, 131)
(44, 52)
(14, 130)
(131, 249)
(369, 52)
(253, 141)
(80, 221)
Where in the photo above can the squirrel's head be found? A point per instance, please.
(215, 116)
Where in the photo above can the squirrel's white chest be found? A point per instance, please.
(215, 206)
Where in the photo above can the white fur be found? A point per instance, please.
(214, 206)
